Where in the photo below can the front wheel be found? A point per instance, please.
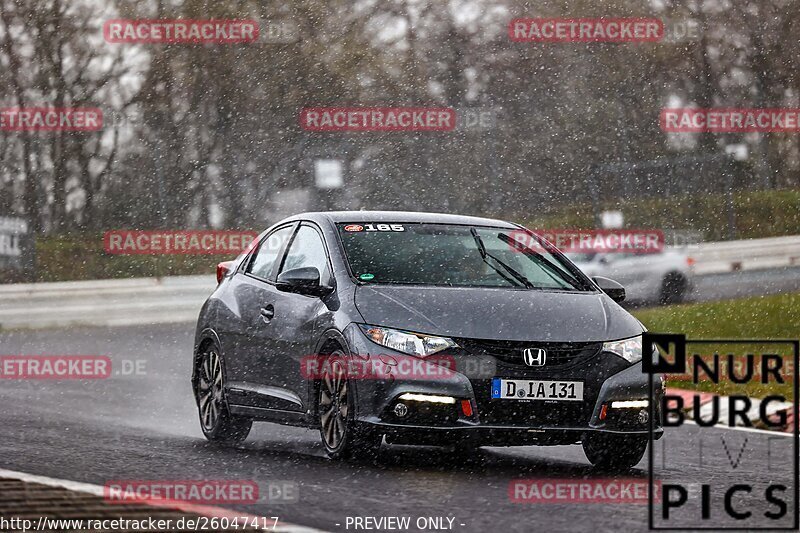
(341, 436)
(218, 424)
(614, 452)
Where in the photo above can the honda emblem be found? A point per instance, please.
(534, 356)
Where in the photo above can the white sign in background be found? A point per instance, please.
(328, 174)
(11, 231)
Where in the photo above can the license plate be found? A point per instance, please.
(534, 389)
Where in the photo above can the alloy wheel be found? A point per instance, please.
(209, 390)
(333, 404)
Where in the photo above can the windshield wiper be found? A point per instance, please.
(539, 258)
(484, 254)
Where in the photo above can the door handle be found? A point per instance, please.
(267, 313)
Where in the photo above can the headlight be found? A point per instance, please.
(628, 349)
(406, 342)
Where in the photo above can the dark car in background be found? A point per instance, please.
(418, 328)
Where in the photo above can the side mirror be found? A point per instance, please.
(303, 280)
(223, 269)
(614, 290)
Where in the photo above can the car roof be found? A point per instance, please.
(406, 217)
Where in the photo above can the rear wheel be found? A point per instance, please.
(614, 452)
(673, 288)
(341, 436)
(218, 424)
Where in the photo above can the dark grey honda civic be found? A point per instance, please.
(421, 329)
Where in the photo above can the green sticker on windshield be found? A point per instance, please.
(366, 277)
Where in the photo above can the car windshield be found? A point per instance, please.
(581, 258)
(454, 255)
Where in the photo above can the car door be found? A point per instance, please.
(248, 354)
(294, 328)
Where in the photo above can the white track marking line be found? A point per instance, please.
(205, 510)
(752, 430)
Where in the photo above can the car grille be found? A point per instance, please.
(577, 361)
(559, 355)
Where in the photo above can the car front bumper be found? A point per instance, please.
(606, 378)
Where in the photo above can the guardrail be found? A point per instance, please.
(178, 299)
(110, 302)
(749, 254)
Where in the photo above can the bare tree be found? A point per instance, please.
(56, 58)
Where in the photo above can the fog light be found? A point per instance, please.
(643, 416)
(634, 404)
(401, 410)
(410, 396)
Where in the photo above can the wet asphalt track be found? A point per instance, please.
(145, 427)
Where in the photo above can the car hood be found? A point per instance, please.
(497, 314)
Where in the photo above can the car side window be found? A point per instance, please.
(264, 261)
(308, 250)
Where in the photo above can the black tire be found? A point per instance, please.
(341, 436)
(673, 289)
(612, 452)
(216, 420)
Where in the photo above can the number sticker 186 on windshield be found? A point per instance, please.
(384, 227)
